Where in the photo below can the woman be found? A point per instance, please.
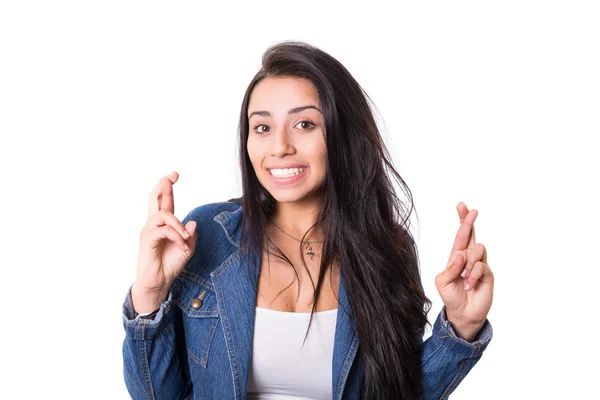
(309, 285)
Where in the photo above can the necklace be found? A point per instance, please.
(308, 248)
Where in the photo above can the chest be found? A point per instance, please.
(283, 288)
(286, 363)
(220, 335)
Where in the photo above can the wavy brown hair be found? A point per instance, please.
(364, 223)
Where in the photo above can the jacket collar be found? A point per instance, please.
(231, 221)
(235, 290)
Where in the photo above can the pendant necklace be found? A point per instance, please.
(308, 250)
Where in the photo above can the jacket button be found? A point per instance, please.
(197, 302)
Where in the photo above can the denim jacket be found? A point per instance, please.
(204, 352)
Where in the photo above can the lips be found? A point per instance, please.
(286, 166)
(288, 179)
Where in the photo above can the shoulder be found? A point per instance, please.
(216, 225)
(207, 212)
(214, 245)
(216, 234)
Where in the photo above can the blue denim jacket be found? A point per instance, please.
(204, 353)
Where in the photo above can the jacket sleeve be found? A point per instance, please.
(152, 367)
(446, 359)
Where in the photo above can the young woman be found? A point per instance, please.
(308, 287)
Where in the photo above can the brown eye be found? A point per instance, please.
(305, 125)
(261, 128)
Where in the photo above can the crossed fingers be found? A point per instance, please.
(161, 197)
(475, 265)
(465, 237)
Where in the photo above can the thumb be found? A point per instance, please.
(190, 227)
(451, 273)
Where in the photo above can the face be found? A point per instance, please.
(286, 144)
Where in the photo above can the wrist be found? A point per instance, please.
(466, 330)
(147, 301)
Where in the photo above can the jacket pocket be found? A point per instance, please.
(198, 304)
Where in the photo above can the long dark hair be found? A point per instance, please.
(364, 223)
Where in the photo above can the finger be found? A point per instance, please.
(190, 228)
(463, 210)
(156, 196)
(167, 200)
(464, 231)
(153, 237)
(481, 273)
(472, 242)
(475, 254)
(162, 218)
(451, 273)
(484, 255)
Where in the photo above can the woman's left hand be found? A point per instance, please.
(467, 285)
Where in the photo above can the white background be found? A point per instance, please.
(496, 105)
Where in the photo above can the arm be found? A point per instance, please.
(446, 358)
(152, 366)
(466, 288)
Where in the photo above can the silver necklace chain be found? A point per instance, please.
(308, 250)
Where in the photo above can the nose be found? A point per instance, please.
(282, 144)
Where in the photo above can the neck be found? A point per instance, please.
(297, 218)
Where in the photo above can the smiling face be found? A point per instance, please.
(286, 144)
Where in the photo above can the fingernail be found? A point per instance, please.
(186, 235)
(186, 247)
(467, 287)
(464, 273)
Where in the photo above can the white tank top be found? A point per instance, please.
(281, 368)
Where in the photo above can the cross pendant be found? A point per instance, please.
(309, 251)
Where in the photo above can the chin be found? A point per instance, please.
(293, 196)
(287, 197)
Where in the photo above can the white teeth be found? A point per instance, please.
(285, 172)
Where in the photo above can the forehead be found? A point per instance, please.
(282, 93)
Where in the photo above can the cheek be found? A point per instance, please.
(320, 154)
(252, 151)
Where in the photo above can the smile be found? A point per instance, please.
(288, 176)
(286, 172)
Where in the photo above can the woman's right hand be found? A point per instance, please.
(165, 247)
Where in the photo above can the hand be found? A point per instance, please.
(467, 285)
(165, 247)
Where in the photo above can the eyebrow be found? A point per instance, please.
(292, 111)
